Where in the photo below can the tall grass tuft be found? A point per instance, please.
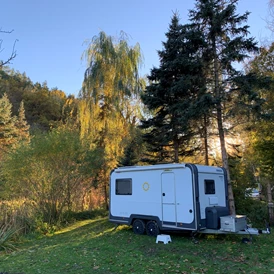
(18, 214)
(7, 233)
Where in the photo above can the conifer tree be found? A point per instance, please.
(7, 125)
(172, 93)
(226, 42)
(22, 125)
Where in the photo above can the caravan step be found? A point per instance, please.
(163, 238)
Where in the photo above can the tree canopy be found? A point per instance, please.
(197, 78)
(172, 94)
(108, 99)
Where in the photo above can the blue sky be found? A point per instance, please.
(51, 33)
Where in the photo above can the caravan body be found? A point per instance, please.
(168, 197)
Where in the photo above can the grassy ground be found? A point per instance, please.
(94, 246)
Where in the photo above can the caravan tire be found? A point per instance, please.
(152, 229)
(138, 226)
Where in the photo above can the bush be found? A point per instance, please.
(255, 210)
(45, 228)
(20, 215)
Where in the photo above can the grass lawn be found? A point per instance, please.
(93, 246)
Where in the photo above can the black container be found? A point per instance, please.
(213, 215)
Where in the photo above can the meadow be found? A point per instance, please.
(96, 246)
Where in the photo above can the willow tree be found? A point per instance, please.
(110, 90)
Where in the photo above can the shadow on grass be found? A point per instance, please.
(78, 234)
(83, 227)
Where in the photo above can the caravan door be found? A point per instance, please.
(168, 199)
(178, 199)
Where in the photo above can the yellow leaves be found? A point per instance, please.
(110, 83)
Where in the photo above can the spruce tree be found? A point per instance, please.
(172, 93)
(22, 126)
(7, 125)
(226, 41)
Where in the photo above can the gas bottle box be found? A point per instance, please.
(233, 223)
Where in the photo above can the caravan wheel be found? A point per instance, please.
(138, 227)
(152, 228)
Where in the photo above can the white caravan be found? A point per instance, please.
(169, 197)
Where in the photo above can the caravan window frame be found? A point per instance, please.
(209, 186)
(123, 186)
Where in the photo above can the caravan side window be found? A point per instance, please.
(209, 187)
(123, 186)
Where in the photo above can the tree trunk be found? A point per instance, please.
(106, 195)
(205, 140)
(218, 98)
(225, 161)
(176, 151)
(270, 203)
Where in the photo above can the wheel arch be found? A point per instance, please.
(145, 218)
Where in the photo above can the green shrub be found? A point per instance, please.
(45, 228)
(255, 210)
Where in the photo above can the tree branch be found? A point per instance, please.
(13, 53)
(6, 31)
